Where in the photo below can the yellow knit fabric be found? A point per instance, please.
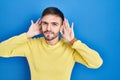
(50, 62)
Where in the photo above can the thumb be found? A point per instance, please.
(32, 22)
(72, 26)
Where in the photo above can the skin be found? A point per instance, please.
(51, 26)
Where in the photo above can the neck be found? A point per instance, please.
(53, 42)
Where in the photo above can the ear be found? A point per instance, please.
(61, 29)
(40, 27)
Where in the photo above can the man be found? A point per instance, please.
(51, 57)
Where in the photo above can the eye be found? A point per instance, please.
(55, 24)
(44, 23)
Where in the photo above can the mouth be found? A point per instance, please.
(48, 32)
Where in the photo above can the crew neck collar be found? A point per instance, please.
(52, 46)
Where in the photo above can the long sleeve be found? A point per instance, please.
(13, 46)
(86, 56)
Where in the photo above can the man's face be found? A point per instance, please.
(51, 25)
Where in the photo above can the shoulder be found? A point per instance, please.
(35, 40)
(65, 42)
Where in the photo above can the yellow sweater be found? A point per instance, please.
(50, 62)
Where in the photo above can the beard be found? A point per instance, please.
(49, 37)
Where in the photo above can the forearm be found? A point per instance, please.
(90, 57)
(6, 47)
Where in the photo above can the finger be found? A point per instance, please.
(37, 22)
(65, 24)
(32, 22)
(64, 28)
(72, 25)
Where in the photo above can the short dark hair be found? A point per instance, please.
(54, 11)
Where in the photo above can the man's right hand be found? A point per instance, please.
(35, 29)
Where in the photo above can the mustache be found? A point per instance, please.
(48, 31)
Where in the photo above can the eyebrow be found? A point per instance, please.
(47, 22)
(55, 23)
(44, 22)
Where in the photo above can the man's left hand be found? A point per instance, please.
(67, 31)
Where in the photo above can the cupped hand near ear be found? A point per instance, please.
(34, 29)
(67, 31)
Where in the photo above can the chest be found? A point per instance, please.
(47, 60)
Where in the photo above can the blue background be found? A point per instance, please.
(97, 23)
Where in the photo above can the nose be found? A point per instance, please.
(49, 27)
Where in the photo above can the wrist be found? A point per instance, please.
(73, 40)
(28, 35)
